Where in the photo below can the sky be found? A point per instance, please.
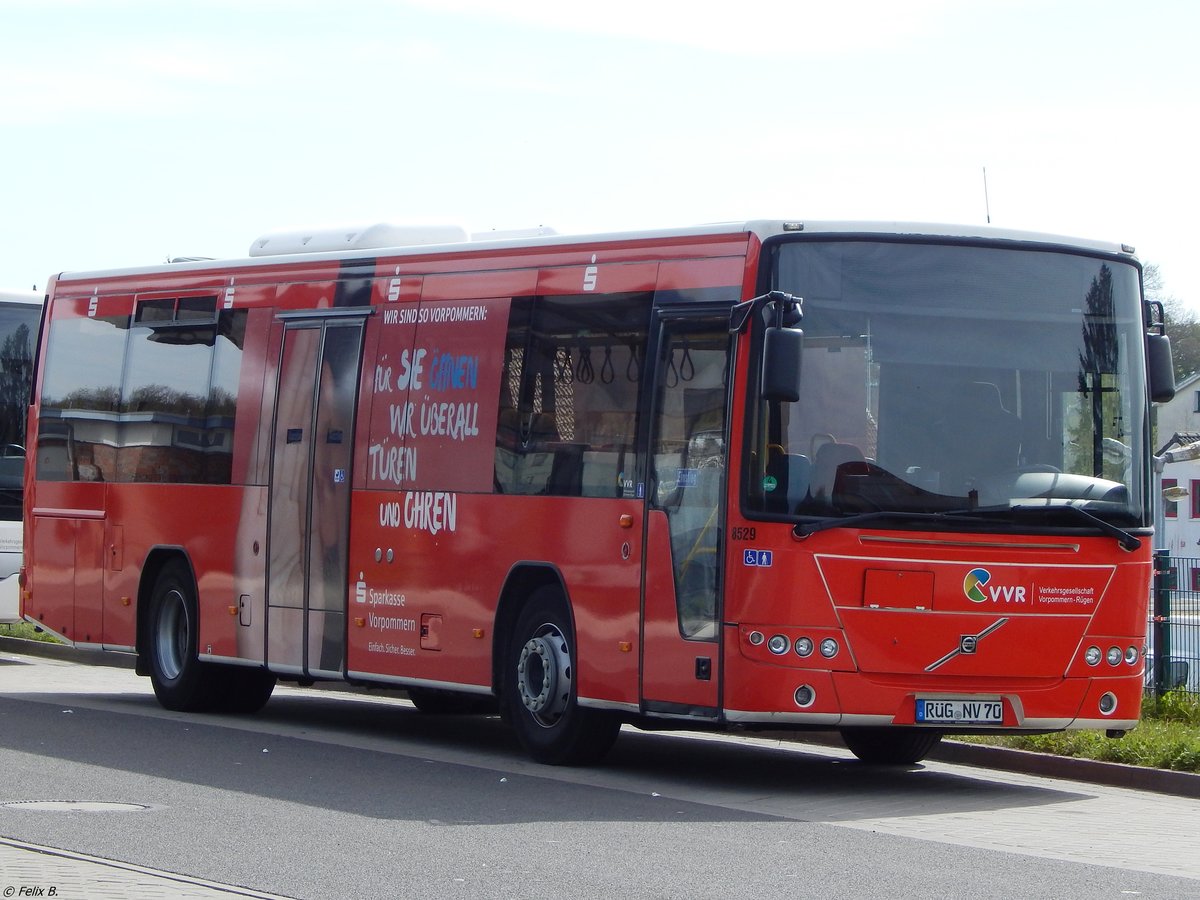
(133, 131)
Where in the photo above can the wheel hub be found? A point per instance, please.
(544, 675)
(171, 637)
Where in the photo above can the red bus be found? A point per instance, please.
(892, 481)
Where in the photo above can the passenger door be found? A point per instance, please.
(685, 514)
(309, 512)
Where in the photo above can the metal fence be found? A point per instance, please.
(1174, 662)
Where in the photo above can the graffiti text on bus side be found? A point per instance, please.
(453, 314)
(457, 421)
(431, 511)
(405, 316)
(402, 416)
(396, 465)
(412, 367)
(450, 372)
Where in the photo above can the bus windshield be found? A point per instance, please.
(945, 378)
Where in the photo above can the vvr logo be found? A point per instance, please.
(974, 583)
(977, 589)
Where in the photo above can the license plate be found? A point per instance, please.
(953, 711)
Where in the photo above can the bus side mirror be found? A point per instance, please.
(781, 364)
(1160, 369)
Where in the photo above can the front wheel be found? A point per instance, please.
(895, 746)
(540, 691)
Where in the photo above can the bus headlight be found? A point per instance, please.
(1115, 656)
(829, 648)
(1131, 655)
(804, 646)
(778, 644)
(1092, 656)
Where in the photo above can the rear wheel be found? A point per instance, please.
(437, 702)
(539, 689)
(181, 682)
(241, 690)
(891, 746)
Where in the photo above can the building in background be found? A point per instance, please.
(1179, 425)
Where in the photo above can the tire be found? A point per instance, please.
(241, 690)
(437, 702)
(539, 689)
(893, 746)
(181, 682)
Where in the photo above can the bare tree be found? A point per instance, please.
(1183, 323)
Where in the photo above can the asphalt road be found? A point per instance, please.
(337, 795)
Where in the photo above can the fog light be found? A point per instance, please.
(1115, 656)
(1091, 657)
(829, 648)
(1108, 704)
(1131, 655)
(805, 696)
(778, 644)
(757, 637)
(804, 646)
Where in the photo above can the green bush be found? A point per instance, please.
(27, 632)
(1167, 738)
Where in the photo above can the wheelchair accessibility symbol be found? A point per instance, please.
(760, 559)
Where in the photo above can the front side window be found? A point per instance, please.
(147, 398)
(940, 378)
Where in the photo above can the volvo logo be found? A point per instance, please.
(968, 644)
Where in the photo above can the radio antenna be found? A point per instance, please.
(987, 208)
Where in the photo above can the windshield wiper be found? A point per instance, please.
(1124, 538)
(982, 514)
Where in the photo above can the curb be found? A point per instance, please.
(1069, 768)
(1162, 781)
(67, 653)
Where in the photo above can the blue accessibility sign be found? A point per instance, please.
(760, 559)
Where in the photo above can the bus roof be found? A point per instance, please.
(381, 239)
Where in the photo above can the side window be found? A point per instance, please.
(179, 391)
(80, 399)
(150, 400)
(1170, 507)
(568, 398)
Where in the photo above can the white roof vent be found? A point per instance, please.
(512, 234)
(370, 237)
